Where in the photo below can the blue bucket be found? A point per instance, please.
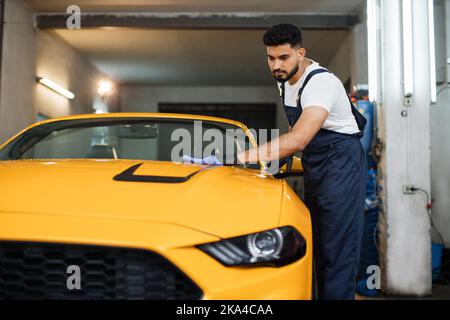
(436, 259)
(361, 288)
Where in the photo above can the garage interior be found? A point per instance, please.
(207, 57)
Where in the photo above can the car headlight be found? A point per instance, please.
(277, 247)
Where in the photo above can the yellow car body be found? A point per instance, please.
(76, 201)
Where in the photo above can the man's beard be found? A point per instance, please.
(288, 77)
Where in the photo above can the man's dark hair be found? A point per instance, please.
(281, 34)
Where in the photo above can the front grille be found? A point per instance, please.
(40, 271)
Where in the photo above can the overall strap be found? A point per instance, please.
(294, 113)
(282, 92)
(360, 119)
(308, 77)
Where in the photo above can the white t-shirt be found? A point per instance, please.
(323, 90)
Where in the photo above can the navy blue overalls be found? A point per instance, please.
(335, 173)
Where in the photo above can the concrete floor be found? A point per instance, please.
(440, 292)
(441, 287)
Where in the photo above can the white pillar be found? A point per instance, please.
(447, 35)
(405, 235)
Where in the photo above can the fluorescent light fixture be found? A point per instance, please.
(104, 87)
(431, 37)
(408, 58)
(57, 88)
(372, 49)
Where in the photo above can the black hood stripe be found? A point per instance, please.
(128, 175)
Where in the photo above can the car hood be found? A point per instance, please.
(221, 201)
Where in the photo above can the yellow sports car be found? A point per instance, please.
(95, 207)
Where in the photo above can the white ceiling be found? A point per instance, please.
(290, 6)
(192, 57)
(188, 57)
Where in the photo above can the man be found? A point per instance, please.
(327, 128)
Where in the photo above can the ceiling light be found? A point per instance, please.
(57, 88)
(104, 87)
(373, 48)
(431, 37)
(408, 58)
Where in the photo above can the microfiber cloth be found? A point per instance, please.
(211, 160)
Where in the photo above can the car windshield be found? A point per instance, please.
(178, 140)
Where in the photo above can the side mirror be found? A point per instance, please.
(290, 167)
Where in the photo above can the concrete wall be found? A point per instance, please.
(17, 109)
(440, 149)
(350, 60)
(28, 53)
(440, 168)
(59, 62)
